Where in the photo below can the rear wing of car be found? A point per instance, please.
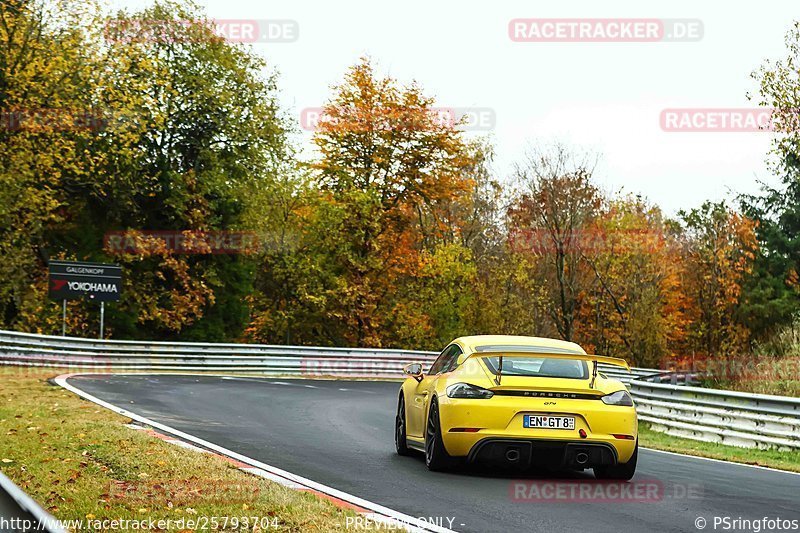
(604, 359)
(538, 352)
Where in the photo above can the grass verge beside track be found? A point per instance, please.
(770, 458)
(79, 461)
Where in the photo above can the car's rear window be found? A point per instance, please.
(542, 367)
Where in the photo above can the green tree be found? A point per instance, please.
(214, 135)
(772, 294)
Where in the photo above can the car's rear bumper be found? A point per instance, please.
(465, 423)
(523, 453)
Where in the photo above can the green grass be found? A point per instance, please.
(78, 460)
(769, 458)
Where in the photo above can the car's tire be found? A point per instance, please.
(620, 472)
(400, 442)
(436, 456)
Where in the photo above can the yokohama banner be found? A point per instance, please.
(71, 280)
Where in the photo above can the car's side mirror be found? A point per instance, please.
(414, 370)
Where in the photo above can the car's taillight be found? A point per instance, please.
(621, 397)
(465, 390)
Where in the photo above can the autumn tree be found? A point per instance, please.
(720, 246)
(461, 239)
(624, 312)
(385, 158)
(510, 297)
(185, 124)
(557, 208)
(46, 133)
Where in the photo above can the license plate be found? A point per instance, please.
(548, 422)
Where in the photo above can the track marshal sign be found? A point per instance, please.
(75, 280)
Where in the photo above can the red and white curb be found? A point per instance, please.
(372, 512)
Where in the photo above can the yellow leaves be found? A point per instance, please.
(792, 278)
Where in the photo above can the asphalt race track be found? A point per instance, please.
(340, 433)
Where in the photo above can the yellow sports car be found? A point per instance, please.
(522, 401)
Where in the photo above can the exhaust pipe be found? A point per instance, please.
(581, 458)
(512, 455)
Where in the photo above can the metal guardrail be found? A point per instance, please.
(18, 512)
(735, 418)
(68, 352)
(728, 417)
(71, 352)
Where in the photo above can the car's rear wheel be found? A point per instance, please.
(622, 472)
(400, 442)
(436, 456)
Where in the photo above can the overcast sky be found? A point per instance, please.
(605, 97)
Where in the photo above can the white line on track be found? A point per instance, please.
(277, 479)
(412, 523)
(759, 467)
